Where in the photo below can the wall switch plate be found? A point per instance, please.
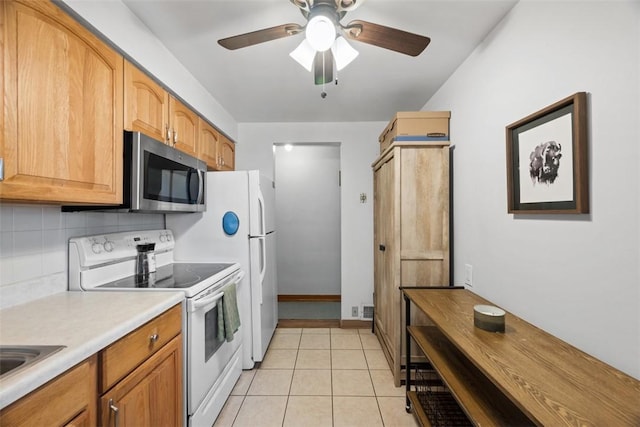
(468, 275)
(354, 311)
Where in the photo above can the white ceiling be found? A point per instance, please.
(262, 83)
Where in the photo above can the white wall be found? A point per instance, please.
(576, 276)
(308, 219)
(118, 24)
(359, 148)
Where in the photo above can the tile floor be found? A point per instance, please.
(318, 377)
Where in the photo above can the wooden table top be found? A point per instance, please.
(551, 381)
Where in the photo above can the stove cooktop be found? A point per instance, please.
(173, 276)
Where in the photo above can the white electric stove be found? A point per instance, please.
(107, 262)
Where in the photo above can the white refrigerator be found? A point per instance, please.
(238, 226)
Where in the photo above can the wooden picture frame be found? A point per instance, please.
(547, 160)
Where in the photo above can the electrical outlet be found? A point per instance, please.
(468, 275)
(354, 311)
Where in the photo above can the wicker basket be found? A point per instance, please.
(435, 398)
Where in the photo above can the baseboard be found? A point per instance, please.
(355, 324)
(308, 323)
(309, 298)
(324, 323)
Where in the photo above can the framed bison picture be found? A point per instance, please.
(547, 160)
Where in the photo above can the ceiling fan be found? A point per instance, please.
(324, 47)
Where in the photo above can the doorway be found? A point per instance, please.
(308, 254)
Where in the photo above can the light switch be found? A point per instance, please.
(468, 275)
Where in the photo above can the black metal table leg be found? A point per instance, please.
(407, 311)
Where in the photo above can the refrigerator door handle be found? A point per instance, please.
(263, 262)
(261, 207)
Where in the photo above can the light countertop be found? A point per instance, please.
(84, 322)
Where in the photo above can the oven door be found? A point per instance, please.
(207, 356)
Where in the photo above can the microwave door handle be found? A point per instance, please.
(189, 178)
(201, 177)
(192, 173)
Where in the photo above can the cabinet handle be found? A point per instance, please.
(168, 134)
(1, 169)
(116, 413)
(175, 137)
(154, 338)
(382, 247)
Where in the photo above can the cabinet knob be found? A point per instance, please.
(154, 338)
(382, 247)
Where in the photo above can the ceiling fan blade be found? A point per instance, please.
(386, 37)
(260, 36)
(323, 67)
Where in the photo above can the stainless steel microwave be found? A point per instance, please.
(157, 178)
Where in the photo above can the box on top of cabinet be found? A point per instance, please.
(428, 123)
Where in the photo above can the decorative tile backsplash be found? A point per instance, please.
(33, 245)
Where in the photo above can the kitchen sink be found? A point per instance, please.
(13, 358)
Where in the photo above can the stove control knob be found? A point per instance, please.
(108, 246)
(163, 238)
(169, 237)
(96, 248)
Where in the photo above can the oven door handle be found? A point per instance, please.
(199, 304)
(209, 300)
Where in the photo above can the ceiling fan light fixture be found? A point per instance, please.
(304, 55)
(343, 53)
(321, 32)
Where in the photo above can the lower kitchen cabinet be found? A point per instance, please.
(151, 395)
(141, 375)
(68, 400)
(135, 381)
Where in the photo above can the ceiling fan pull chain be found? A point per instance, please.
(323, 95)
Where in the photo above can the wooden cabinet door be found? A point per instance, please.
(151, 395)
(69, 399)
(146, 104)
(184, 127)
(208, 140)
(62, 108)
(384, 256)
(83, 419)
(227, 152)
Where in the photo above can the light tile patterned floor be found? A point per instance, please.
(318, 377)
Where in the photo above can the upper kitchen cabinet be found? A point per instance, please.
(215, 148)
(208, 147)
(227, 151)
(150, 109)
(184, 127)
(146, 104)
(62, 109)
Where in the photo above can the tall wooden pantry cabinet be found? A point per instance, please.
(411, 224)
